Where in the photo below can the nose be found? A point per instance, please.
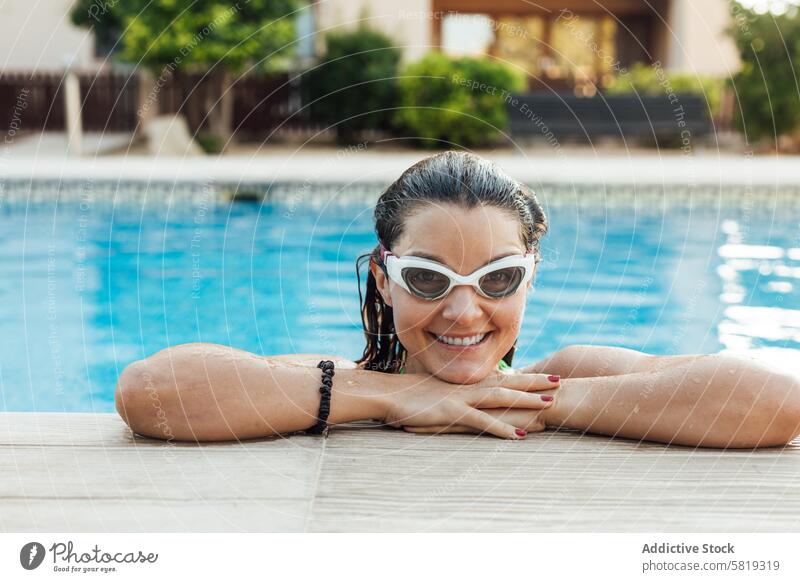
(462, 306)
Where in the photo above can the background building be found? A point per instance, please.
(551, 40)
(41, 37)
(560, 44)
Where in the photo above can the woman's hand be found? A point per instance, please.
(433, 405)
(527, 419)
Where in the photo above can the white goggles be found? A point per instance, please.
(430, 280)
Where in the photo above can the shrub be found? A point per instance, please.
(460, 101)
(354, 86)
(643, 79)
(766, 87)
(209, 143)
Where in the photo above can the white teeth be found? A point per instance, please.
(456, 341)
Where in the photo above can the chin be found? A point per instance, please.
(458, 373)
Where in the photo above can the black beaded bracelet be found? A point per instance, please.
(325, 401)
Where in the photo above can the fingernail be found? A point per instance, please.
(520, 432)
(546, 397)
(554, 378)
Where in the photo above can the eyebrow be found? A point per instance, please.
(430, 257)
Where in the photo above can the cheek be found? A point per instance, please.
(410, 315)
(509, 316)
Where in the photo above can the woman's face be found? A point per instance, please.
(463, 240)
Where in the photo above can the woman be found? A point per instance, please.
(445, 298)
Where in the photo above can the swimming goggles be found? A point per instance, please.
(430, 280)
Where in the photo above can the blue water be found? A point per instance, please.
(84, 290)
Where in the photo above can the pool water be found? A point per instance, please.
(85, 289)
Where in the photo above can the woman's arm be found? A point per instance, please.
(713, 401)
(207, 392)
(586, 361)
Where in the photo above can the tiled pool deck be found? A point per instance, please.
(87, 472)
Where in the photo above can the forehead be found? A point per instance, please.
(461, 237)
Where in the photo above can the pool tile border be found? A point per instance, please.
(321, 194)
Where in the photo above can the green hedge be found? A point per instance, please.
(448, 101)
(643, 79)
(354, 87)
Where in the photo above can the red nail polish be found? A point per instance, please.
(546, 397)
(554, 378)
(521, 431)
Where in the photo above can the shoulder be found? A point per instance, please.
(313, 360)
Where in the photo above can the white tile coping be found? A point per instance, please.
(356, 167)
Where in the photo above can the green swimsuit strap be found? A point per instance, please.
(502, 366)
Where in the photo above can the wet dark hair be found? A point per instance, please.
(453, 177)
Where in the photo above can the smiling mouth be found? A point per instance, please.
(469, 342)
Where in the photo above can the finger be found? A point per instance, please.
(540, 367)
(484, 422)
(536, 368)
(530, 420)
(498, 397)
(527, 382)
(439, 429)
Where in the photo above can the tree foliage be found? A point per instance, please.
(218, 37)
(101, 18)
(354, 86)
(199, 33)
(644, 79)
(767, 87)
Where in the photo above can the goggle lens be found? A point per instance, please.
(502, 282)
(430, 284)
(425, 283)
